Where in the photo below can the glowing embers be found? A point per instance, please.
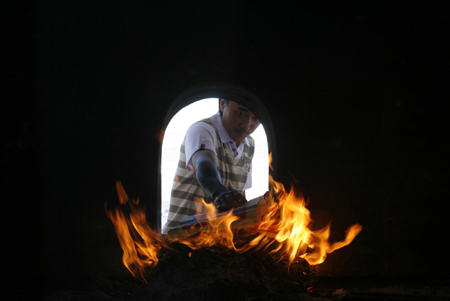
(278, 225)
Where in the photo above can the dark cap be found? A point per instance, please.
(242, 97)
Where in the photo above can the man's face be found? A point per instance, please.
(237, 120)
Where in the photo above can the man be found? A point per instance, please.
(215, 162)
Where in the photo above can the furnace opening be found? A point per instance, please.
(174, 135)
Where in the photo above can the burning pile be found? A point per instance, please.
(281, 232)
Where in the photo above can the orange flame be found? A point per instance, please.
(217, 232)
(284, 232)
(160, 136)
(289, 228)
(284, 229)
(140, 244)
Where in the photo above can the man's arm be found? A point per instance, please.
(205, 166)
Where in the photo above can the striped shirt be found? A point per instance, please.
(187, 194)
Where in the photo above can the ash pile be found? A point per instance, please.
(212, 274)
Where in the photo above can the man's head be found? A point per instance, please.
(237, 120)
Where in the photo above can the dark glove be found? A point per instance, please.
(225, 199)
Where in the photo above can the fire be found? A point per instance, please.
(283, 232)
(288, 225)
(140, 244)
(218, 232)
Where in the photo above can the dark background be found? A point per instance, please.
(356, 94)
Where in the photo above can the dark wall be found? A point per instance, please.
(356, 94)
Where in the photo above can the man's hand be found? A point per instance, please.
(227, 199)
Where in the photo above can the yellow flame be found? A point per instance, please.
(284, 232)
(287, 223)
(217, 232)
(140, 244)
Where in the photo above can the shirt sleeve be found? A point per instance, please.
(200, 135)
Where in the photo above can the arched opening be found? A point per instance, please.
(202, 102)
(174, 135)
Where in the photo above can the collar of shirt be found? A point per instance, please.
(217, 121)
